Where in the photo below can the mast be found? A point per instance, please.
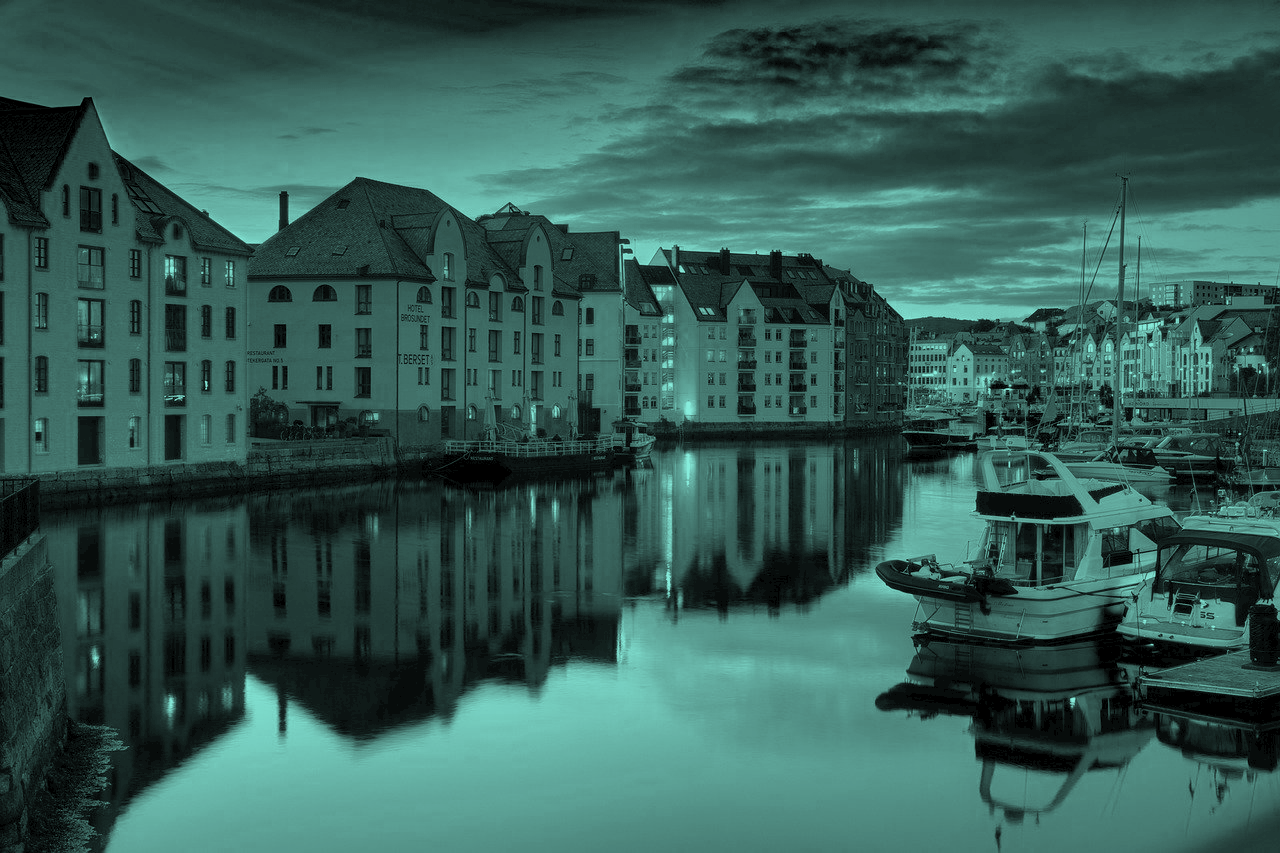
(1117, 368)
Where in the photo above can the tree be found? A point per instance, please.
(1106, 397)
(266, 415)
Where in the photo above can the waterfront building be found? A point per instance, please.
(927, 375)
(642, 370)
(415, 320)
(133, 353)
(972, 367)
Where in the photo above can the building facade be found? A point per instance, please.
(133, 354)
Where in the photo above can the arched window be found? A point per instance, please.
(448, 266)
(324, 293)
(279, 293)
(471, 413)
(424, 414)
(515, 413)
(473, 299)
(557, 309)
(517, 304)
(555, 411)
(424, 296)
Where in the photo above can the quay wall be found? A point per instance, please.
(667, 431)
(33, 704)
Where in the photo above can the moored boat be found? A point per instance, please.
(935, 431)
(1058, 560)
(632, 443)
(1123, 463)
(1195, 456)
(492, 461)
(1208, 577)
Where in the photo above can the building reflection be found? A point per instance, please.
(153, 623)
(381, 608)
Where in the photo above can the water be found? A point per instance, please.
(693, 657)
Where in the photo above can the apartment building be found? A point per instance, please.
(129, 347)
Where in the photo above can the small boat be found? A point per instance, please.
(1058, 560)
(935, 431)
(1195, 456)
(1043, 717)
(1084, 444)
(632, 443)
(1208, 577)
(1132, 462)
(1001, 436)
(495, 460)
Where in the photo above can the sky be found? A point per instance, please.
(964, 157)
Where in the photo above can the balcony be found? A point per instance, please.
(175, 285)
(89, 396)
(364, 351)
(631, 387)
(175, 340)
(746, 339)
(631, 341)
(746, 387)
(746, 364)
(746, 407)
(799, 410)
(89, 336)
(839, 384)
(797, 387)
(798, 364)
(631, 411)
(799, 340)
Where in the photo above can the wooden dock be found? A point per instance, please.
(1224, 676)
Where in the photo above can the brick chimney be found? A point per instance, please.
(284, 210)
(675, 258)
(724, 261)
(775, 264)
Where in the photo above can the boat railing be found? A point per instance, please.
(530, 449)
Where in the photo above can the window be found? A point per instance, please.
(280, 377)
(517, 304)
(557, 309)
(537, 277)
(206, 272)
(229, 277)
(446, 342)
(424, 337)
(535, 347)
(448, 266)
(517, 378)
(424, 296)
(590, 316)
(324, 293)
(40, 435)
(586, 281)
(206, 426)
(557, 346)
(135, 317)
(206, 321)
(495, 345)
(231, 431)
(175, 383)
(66, 201)
(89, 322)
(175, 274)
(447, 306)
(591, 346)
(135, 376)
(364, 299)
(446, 383)
(231, 324)
(135, 433)
(89, 267)
(325, 336)
(495, 306)
(473, 299)
(515, 343)
(175, 328)
(206, 376)
(40, 376)
(1, 257)
(42, 253)
(89, 384)
(281, 335)
(90, 209)
(364, 382)
(535, 384)
(279, 293)
(324, 378)
(364, 343)
(537, 310)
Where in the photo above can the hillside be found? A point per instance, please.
(940, 325)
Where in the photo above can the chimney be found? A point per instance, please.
(675, 258)
(284, 210)
(775, 264)
(724, 261)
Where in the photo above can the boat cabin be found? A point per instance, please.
(1210, 565)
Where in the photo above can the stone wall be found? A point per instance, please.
(32, 690)
(270, 465)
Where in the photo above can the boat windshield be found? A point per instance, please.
(1216, 569)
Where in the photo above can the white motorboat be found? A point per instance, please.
(1004, 436)
(1059, 558)
(1208, 577)
(933, 431)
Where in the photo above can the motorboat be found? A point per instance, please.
(632, 443)
(933, 431)
(1043, 717)
(1127, 462)
(1084, 444)
(1208, 577)
(1058, 560)
(494, 460)
(1195, 456)
(1011, 436)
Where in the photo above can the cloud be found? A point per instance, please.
(306, 131)
(926, 158)
(151, 164)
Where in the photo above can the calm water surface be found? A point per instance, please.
(693, 657)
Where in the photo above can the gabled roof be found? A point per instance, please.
(582, 260)
(638, 293)
(155, 205)
(33, 142)
(800, 293)
(364, 229)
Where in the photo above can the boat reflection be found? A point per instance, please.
(1048, 715)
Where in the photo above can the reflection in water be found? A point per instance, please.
(378, 606)
(1049, 714)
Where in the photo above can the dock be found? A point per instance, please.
(1229, 676)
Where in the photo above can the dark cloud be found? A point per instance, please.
(306, 131)
(925, 159)
(150, 164)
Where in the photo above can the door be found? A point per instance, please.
(89, 441)
(172, 437)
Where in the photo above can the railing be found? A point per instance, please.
(19, 512)
(799, 341)
(746, 410)
(799, 410)
(532, 448)
(797, 387)
(746, 340)
(747, 364)
(746, 386)
(631, 411)
(175, 340)
(364, 350)
(631, 341)
(89, 335)
(631, 387)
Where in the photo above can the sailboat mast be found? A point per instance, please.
(1118, 370)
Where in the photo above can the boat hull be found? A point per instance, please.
(494, 462)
